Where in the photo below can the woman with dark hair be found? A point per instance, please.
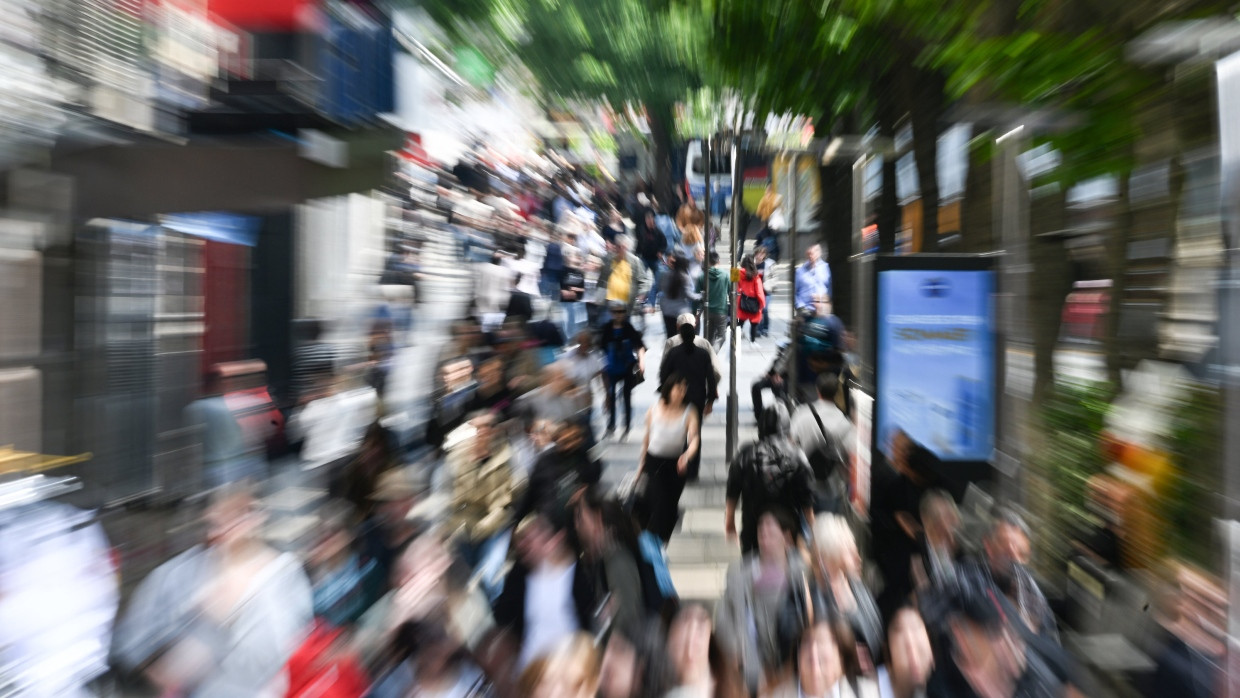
(750, 297)
(700, 668)
(360, 477)
(608, 541)
(635, 664)
(431, 663)
(677, 293)
(670, 444)
(822, 665)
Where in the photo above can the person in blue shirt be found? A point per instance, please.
(813, 279)
(624, 360)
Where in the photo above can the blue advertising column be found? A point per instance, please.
(935, 367)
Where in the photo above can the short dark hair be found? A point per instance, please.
(828, 386)
(714, 257)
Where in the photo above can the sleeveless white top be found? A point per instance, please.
(668, 438)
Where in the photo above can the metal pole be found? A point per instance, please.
(733, 405)
(704, 323)
(793, 387)
(706, 196)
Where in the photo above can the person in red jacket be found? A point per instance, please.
(750, 298)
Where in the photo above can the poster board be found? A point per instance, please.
(935, 357)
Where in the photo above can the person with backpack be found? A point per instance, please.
(770, 474)
(825, 436)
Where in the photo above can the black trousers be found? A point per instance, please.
(716, 328)
(695, 463)
(669, 325)
(663, 489)
(615, 383)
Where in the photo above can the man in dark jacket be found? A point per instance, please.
(546, 573)
(696, 365)
(561, 473)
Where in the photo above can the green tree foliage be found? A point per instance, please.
(625, 53)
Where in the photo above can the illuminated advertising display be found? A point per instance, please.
(935, 355)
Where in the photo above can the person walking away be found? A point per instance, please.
(825, 435)
(766, 270)
(770, 211)
(572, 293)
(625, 360)
(758, 589)
(223, 618)
(677, 295)
(770, 474)
(552, 274)
(750, 298)
(624, 276)
(483, 490)
(672, 440)
(813, 279)
(697, 366)
(609, 543)
(224, 452)
(495, 284)
(717, 300)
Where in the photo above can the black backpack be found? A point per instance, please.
(773, 469)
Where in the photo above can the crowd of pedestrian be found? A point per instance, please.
(501, 564)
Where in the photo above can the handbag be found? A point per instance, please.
(749, 305)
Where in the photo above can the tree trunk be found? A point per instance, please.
(977, 218)
(836, 233)
(1117, 266)
(1049, 285)
(662, 119)
(926, 107)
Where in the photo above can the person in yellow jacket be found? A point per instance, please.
(483, 491)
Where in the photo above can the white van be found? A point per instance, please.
(720, 177)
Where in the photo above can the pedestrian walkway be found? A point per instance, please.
(699, 553)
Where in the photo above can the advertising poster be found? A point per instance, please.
(862, 456)
(935, 360)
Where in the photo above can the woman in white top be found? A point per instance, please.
(670, 444)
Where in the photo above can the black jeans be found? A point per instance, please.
(624, 382)
(716, 327)
(669, 325)
(664, 485)
(753, 328)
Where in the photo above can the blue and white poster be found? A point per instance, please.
(936, 363)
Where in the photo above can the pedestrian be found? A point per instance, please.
(493, 290)
(625, 360)
(899, 481)
(482, 487)
(671, 442)
(715, 282)
(826, 436)
(572, 293)
(226, 458)
(561, 472)
(838, 580)
(387, 532)
(552, 273)
(491, 393)
(343, 584)
(548, 596)
(750, 298)
(697, 365)
(770, 474)
(1006, 553)
(431, 661)
(813, 279)
(676, 293)
(821, 666)
(623, 276)
(608, 541)
(909, 659)
(766, 270)
(700, 668)
(223, 618)
(635, 663)
(758, 589)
